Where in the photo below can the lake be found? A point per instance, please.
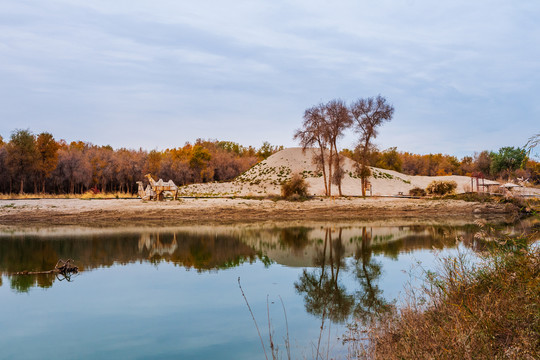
(173, 293)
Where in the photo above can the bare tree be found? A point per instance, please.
(315, 132)
(533, 142)
(73, 168)
(339, 119)
(368, 115)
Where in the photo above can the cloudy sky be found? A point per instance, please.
(462, 75)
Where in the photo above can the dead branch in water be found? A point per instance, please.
(65, 268)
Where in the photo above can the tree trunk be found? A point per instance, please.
(324, 257)
(21, 190)
(324, 171)
(338, 262)
(363, 169)
(338, 169)
(330, 158)
(331, 257)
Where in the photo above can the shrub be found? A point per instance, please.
(486, 312)
(417, 192)
(295, 188)
(441, 187)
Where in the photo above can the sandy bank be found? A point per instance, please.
(115, 212)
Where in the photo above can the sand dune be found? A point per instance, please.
(265, 178)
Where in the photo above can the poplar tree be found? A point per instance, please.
(368, 115)
(338, 120)
(314, 132)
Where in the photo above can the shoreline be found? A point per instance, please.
(135, 212)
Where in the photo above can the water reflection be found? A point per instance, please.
(326, 297)
(369, 298)
(324, 251)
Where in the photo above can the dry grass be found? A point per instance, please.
(87, 195)
(489, 311)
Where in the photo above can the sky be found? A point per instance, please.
(463, 76)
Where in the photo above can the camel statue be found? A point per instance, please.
(145, 194)
(162, 188)
(155, 247)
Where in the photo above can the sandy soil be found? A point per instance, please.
(118, 212)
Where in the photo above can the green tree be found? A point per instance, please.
(22, 156)
(266, 150)
(507, 160)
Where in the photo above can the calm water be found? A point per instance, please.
(173, 292)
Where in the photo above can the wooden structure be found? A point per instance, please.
(145, 194)
(482, 184)
(160, 188)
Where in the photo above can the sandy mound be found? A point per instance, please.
(265, 178)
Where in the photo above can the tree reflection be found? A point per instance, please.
(326, 297)
(201, 251)
(295, 238)
(370, 301)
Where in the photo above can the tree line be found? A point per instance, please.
(32, 163)
(507, 163)
(40, 164)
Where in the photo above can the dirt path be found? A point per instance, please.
(116, 212)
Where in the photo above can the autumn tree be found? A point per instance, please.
(368, 115)
(22, 156)
(103, 166)
(200, 157)
(314, 132)
(73, 168)
(153, 162)
(47, 153)
(4, 171)
(389, 159)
